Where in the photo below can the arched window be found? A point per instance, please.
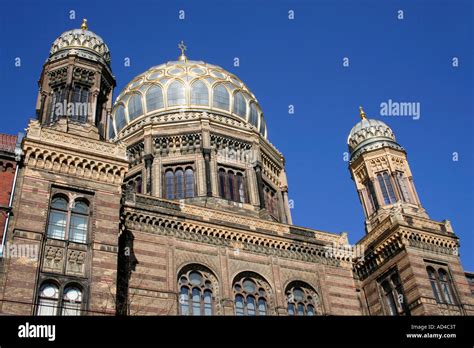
(446, 286)
(403, 184)
(302, 299)
(169, 178)
(253, 114)
(434, 283)
(48, 299)
(176, 95)
(68, 224)
(386, 187)
(271, 200)
(390, 300)
(196, 291)
(240, 105)
(57, 103)
(189, 179)
(79, 222)
(154, 98)
(52, 302)
(80, 99)
(199, 93)
(373, 203)
(220, 97)
(251, 294)
(222, 183)
(179, 184)
(120, 120)
(135, 108)
(232, 185)
(72, 300)
(57, 221)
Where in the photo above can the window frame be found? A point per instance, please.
(173, 169)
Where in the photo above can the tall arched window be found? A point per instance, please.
(434, 283)
(179, 177)
(271, 200)
(120, 120)
(154, 98)
(253, 114)
(386, 187)
(135, 108)
(53, 301)
(48, 299)
(176, 95)
(220, 97)
(263, 126)
(72, 300)
(441, 284)
(80, 99)
(199, 93)
(57, 103)
(240, 105)
(403, 187)
(222, 182)
(189, 179)
(57, 221)
(169, 179)
(446, 286)
(251, 294)
(68, 223)
(79, 222)
(302, 299)
(196, 291)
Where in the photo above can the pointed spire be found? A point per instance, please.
(84, 24)
(362, 113)
(183, 48)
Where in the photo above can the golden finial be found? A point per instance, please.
(84, 24)
(362, 113)
(183, 48)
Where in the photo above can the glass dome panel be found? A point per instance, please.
(240, 106)
(220, 98)
(120, 120)
(199, 93)
(135, 108)
(253, 114)
(154, 98)
(176, 95)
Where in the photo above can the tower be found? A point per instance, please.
(65, 213)
(76, 84)
(410, 263)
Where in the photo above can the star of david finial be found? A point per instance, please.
(183, 48)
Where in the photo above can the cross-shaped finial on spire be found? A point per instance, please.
(183, 48)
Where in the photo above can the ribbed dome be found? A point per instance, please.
(82, 42)
(369, 134)
(186, 85)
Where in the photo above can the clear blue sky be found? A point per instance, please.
(296, 62)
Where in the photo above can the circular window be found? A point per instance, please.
(49, 291)
(249, 286)
(155, 75)
(136, 83)
(195, 278)
(298, 294)
(198, 71)
(175, 71)
(72, 294)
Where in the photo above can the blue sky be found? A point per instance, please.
(297, 62)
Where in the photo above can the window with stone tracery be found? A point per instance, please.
(302, 299)
(392, 294)
(196, 291)
(56, 300)
(441, 284)
(251, 295)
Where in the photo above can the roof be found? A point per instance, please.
(8, 142)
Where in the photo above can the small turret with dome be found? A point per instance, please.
(76, 84)
(380, 170)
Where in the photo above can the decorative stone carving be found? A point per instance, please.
(75, 262)
(53, 260)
